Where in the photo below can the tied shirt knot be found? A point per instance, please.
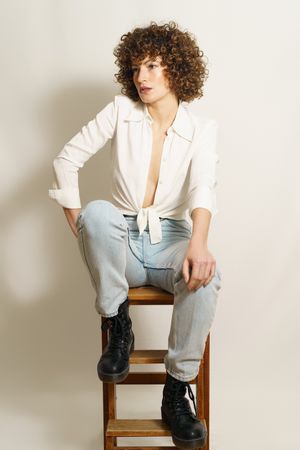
(149, 216)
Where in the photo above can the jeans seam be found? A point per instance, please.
(130, 246)
(85, 257)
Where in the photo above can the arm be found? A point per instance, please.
(201, 221)
(91, 138)
(202, 207)
(198, 256)
(72, 215)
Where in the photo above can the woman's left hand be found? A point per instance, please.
(199, 266)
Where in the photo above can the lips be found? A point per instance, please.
(145, 89)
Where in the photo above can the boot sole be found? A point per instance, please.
(184, 443)
(116, 377)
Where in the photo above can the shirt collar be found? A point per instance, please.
(182, 124)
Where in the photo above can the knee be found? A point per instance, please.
(97, 213)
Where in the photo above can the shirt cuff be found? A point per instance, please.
(203, 197)
(67, 197)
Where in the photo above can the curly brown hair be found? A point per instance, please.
(185, 70)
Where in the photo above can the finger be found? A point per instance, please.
(211, 274)
(204, 273)
(196, 280)
(209, 270)
(197, 287)
(185, 270)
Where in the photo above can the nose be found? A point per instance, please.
(141, 74)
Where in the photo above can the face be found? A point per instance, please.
(150, 80)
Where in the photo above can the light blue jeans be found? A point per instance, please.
(118, 258)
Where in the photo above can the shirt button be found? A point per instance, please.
(160, 181)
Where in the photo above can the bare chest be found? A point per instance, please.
(154, 168)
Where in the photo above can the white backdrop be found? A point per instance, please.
(56, 73)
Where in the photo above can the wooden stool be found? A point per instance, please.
(113, 427)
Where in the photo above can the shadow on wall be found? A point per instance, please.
(50, 332)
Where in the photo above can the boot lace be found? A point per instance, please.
(182, 407)
(118, 336)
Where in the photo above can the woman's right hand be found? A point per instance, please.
(72, 215)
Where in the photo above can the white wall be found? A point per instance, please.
(56, 74)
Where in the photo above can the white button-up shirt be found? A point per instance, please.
(187, 176)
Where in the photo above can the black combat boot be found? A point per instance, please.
(187, 430)
(113, 365)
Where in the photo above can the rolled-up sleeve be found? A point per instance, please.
(203, 181)
(91, 138)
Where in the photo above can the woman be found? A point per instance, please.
(154, 229)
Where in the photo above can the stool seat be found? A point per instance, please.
(114, 427)
(149, 295)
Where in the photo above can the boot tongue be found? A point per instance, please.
(177, 383)
(179, 389)
(113, 323)
(117, 325)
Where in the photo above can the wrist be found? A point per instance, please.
(198, 240)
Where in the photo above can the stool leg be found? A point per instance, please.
(109, 412)
(207, 386)
(202, 390)
(109, 403)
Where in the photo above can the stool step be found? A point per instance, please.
(147, 356)
(148, 378)
(137, 427)
(146, 447)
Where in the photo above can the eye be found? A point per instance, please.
(134, 69)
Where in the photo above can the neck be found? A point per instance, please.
(163, 111)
